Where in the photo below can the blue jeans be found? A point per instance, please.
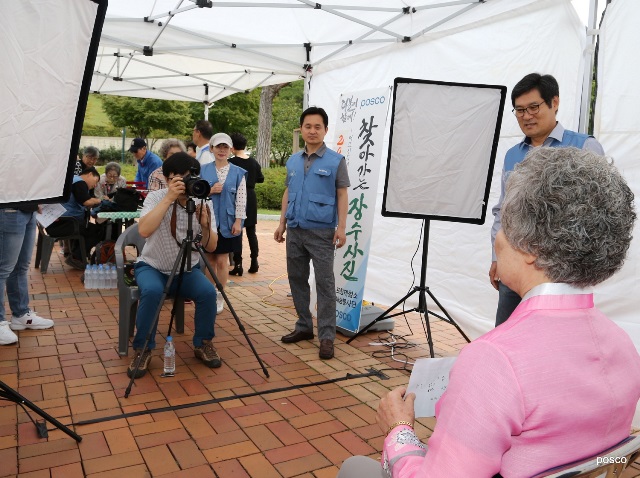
(17, 236)
(195, 286)
(508, 300)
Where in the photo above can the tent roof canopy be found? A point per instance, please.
(171, 48)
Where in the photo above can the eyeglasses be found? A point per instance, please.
(112, 176)
(531, 109)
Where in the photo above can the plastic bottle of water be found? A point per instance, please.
(169, 357)
(87, 277)
(113, 275)
(101, 284)
(94, 276)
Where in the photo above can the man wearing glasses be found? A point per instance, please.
(535, 100)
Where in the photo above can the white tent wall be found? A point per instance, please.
(499, 50)
(617, 126)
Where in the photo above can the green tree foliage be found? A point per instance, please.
(147, 117)
(269, 193)
(238, 112)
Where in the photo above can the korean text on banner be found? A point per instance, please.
(360, 127)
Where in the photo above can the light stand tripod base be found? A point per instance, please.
(7, 393)
(368, 315)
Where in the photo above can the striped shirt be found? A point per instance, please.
(161, 249)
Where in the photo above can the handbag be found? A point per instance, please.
(127, 199)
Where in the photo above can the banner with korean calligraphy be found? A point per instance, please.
(360, 128)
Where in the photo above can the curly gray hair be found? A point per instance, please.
(167, 144)
(573, 210)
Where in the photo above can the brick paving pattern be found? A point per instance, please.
(74, 373)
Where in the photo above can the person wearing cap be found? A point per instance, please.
(148, 161)
(228, 193)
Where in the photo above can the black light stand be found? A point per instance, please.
(422, 301)
(9, 394)
(184, 257)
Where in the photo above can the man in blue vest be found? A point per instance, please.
(314, 209)
(535, 100)
(74, 219)
(148, 161)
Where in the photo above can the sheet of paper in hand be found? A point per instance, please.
(429, 379)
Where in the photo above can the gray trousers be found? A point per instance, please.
(316, 245)
(360, 467)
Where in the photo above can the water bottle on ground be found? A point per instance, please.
(101, 284)
(169, 357)
(114, 277)
(87, 277)
(94, 276)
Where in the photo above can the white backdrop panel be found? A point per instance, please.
(617, 126)
(496, 51)
(42, 77)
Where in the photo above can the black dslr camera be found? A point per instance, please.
(195, 186)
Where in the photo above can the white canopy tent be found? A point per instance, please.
(171, 48)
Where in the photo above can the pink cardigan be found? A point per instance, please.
(557, 382)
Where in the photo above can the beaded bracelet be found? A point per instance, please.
(398, 423)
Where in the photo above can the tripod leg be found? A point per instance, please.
(233, 312)
(8, 393)
(449, 318)
(175, 297)
(383, 316)
(184, 249)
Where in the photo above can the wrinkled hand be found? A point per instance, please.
(493, 275)
(339, 238)
(202, 213)
(216, 188)
(237, 227)
(176, 188)
(278, 235)
(395, 407)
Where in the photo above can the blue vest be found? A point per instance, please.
(517, 153)
(224, 204)
(73, 207)
(312, 197)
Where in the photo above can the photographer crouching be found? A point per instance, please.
(164, 222)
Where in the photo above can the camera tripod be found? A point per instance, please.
(183, 260)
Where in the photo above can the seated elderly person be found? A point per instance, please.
(74, 219)
(163, 221)
(558, 381)
(110, 181)
(169, 146)
(90, 157)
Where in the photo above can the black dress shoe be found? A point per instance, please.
(296, 336)
(254, 266)
(236, 271)
(326, 349)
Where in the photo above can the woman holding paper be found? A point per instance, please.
(558, 381)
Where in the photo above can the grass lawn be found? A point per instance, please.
(94, 115)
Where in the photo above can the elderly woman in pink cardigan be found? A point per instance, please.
(558, 381)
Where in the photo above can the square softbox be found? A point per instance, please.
(47, 56)
(442, 149)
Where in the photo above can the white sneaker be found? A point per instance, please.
(30, 321)
(6, 335)
(220, 303)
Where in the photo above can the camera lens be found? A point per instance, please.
(197, 187)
